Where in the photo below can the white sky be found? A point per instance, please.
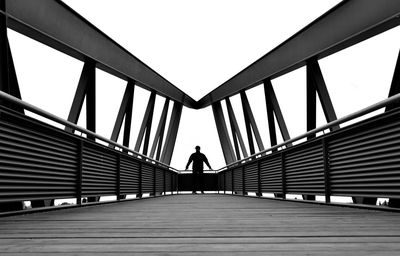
(198, 45)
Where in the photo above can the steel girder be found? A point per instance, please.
(346, 24)
(57, 25)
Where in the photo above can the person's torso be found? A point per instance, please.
(198, 160)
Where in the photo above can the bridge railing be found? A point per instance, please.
(39, 162)
(360, 160)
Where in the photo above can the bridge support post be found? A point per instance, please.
(224, 139)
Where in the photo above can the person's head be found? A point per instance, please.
(197, 148)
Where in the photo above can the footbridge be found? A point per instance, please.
(248, 206)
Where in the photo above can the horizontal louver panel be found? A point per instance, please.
(228, 180)
(159, 180)
(251, 177)
(99, 171)
(129, 175)
(238, 180)
(304, 169)
(271, 174)
(147, 179)
(367, 162)
(36, 161)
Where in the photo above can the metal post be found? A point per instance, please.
(165, 183)
(8, 77)
(326, 171)
(233, 183)
(4, 80)
(170, 140)
(139, 195)
(283, 176)
(311, 104)
(243, 181)
(118, 176)
(79, 173)
(224, 182)
(395, 86)
(259, 178)
(154, 181)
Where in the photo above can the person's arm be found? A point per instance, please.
(206, 161)
(188, 163)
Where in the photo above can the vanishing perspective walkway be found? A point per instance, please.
(208, 224)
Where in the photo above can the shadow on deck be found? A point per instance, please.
(203, 225)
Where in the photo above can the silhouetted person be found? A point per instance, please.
(198, 159)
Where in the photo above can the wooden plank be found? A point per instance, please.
(203, 225)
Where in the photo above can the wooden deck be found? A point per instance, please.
(203, 225)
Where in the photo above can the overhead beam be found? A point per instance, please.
(223, 134)
(346, 24)
(57, 25)
(170, 139)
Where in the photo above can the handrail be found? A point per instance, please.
(341, 120)
(59, 120)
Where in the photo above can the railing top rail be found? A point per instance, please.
(364, 111)
(59, 120)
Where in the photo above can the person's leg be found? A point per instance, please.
(193, 182)
(202, 182)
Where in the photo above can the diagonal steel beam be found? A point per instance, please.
(158, 138)
(125, 111)
(318, 82)
(223, 134)
(145, 129)
(170, 139)
(251, 124)
(274, 108)
(346, 24)
(237, 135)
(86, 88)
